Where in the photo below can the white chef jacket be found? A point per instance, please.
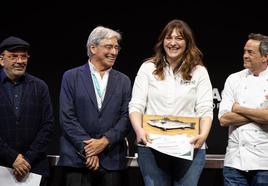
(248, 144)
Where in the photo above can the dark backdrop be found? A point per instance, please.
(58, 33)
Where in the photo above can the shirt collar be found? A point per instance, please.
(93, 69)
(262, 74)
(4, 77)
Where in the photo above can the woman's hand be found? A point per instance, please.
(198, 141)
(142, 137)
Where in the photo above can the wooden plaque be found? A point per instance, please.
(156, 130)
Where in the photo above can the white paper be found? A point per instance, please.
(174, 145)
(7, 178)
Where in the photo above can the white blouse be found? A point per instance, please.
(173, 95)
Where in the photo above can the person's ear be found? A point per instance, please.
(1, 61)
(93, 49)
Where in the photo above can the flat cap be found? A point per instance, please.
(12, 42)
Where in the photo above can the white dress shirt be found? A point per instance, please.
(248, 144)
(100, 84)
(173, 95)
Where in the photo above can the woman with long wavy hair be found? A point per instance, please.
(172, 82)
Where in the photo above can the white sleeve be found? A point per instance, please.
(228, 97)
(140, 90)
(204, 101)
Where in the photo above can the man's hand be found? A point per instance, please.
(235, 107)
(18, 177)
(95, 146)
(21, 167)
(93, 163)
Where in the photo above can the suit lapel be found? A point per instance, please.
(111, 86)
(87, 80)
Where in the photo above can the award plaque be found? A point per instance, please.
(171, 125)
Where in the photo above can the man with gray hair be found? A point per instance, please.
(244, 109)
(94, 115)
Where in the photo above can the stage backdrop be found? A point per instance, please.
(58, 33)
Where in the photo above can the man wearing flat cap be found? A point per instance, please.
(26, 116)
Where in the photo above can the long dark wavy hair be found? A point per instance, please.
(190, 58)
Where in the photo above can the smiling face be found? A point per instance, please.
(252, 57)
(174, 45)
(14, 63)
(105, 53)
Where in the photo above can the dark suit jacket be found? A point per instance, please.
(81, 119)
(30, 133)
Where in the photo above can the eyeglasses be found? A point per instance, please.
(110, 47)
(16, 57)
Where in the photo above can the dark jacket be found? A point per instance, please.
(30, 133)
(81, 119)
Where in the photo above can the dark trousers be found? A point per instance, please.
(44, 181)
(86, 177)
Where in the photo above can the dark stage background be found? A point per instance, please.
(58, 33)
